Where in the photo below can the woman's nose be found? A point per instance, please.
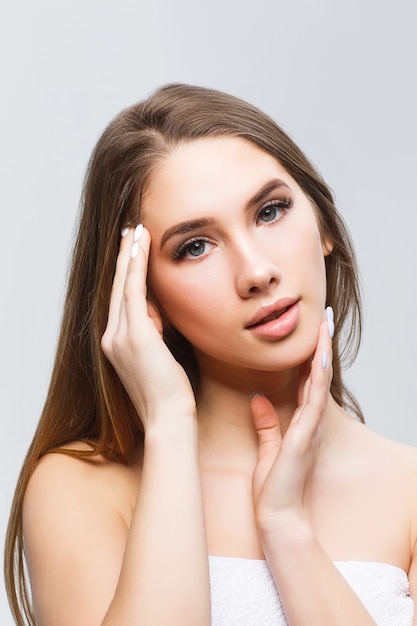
(256, 272)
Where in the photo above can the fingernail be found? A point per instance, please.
(134, 250)
(125, 231)
(138, 232)
(256, 393)
(330, 322)
(324, 360)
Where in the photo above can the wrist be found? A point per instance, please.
(289, 531)
(164, 430)
(161, 414)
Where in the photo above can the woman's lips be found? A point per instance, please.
(277, 323)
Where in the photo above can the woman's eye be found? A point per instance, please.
(268, 213)
(196, 248)
(191, 249)
(273, 210)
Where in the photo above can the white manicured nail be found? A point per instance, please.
(125, 231)
(329, 313)
(324, 360)
(138, 232)
(330, 322)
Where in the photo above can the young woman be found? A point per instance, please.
(199, 460)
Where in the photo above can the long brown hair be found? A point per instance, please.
(86, 400)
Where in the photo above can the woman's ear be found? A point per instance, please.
(327, 246)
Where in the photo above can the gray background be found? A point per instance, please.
(340, 77)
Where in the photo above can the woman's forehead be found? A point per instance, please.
(212, 172)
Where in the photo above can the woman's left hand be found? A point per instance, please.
(286, 462)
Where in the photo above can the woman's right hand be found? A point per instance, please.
(156, 383)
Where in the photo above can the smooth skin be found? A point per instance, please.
(287, 476)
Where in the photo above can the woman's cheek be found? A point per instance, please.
(181, 299)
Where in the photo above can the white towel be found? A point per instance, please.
(244, 594)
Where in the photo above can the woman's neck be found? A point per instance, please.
(227, 434)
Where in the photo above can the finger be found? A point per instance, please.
(266, 423)
(265, 419)
(305, 369)
(134, 295)
(321, 368)
(304, 381)
(119, 279)
(319, 383)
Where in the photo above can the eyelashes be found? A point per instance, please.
(195, 247)
(274, 209)
(269, 213)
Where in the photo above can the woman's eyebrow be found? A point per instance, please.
(270, 186)
(185, 227)
(189, 226)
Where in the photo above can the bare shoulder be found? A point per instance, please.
(397, 464)
(76, 516)
(62, 478)
(386, 453)
(381, 466)
(369, 449)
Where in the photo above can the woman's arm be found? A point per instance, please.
(312, 590)
(85, 563)
(164, 578)
(86, 566)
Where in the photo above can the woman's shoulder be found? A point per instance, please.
(404, 453)
(384, 459)
(71, 477)
(77, 460)
(374, 481)
(77, 511)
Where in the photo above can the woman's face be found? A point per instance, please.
(237, 261)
